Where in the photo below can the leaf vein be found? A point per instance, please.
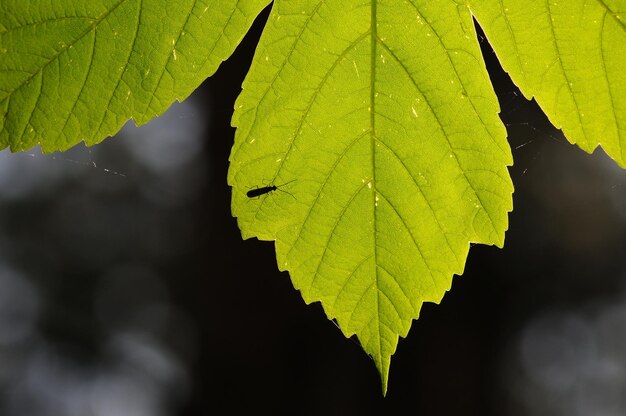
(319, 193)
(170, 56)
(44, 21)
(421, 192)
(348, 279)
(130, 52)
(609, 89)
(395, 280)
(568, 84)
(80, 92)
(458, 76)
(30, 117)
(415, 243)
(331, 233)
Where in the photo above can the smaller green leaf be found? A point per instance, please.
(569, 55)
(77, 70)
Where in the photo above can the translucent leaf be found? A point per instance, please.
(377, 125)
(571, 56)
(77, 70)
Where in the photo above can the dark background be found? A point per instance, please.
(126, 289)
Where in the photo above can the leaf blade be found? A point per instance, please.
(378, 133)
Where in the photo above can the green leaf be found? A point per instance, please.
(77, 70)
(377, 123)
(571, 56)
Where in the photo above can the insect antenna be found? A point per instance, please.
(284, 184)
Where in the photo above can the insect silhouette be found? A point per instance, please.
(257, 192)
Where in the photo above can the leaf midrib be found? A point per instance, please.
(373, 46)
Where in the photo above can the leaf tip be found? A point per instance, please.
(384, 386)
(382, 364)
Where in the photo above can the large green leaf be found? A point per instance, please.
(379, 119)
(77, 70)
(571, 56)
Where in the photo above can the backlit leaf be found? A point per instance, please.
(571, 56)
(77, 70)
(379, 118)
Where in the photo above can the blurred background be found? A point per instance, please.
(126, 289)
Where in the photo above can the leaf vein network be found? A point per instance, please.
(568, 84)
(331, 233)
(309, 107)
(443, 130)
(421, 192)
(344, 285)
(286, 57)
(410, 232)
(123, 71)
(171, 55)
(610, 91)
(458, 77)
(323, 185)
(62, 51)
(84, 83)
